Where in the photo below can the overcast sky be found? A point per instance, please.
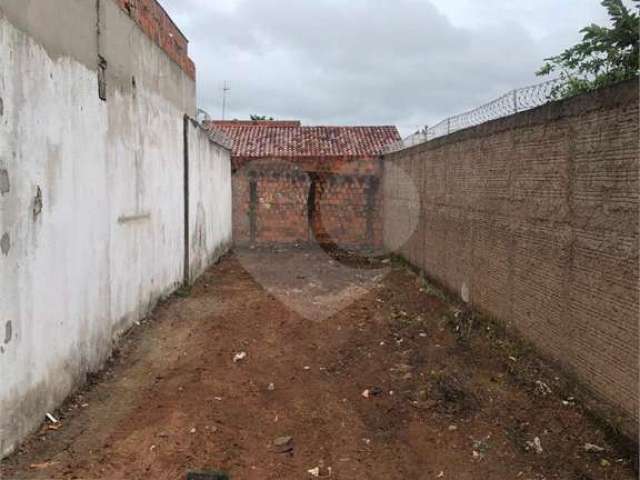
(367, 62)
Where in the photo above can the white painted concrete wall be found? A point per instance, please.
(108, 239)
(209, 198)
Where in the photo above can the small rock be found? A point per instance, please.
(163, 435)
(453, 428)
(376, 391)
(283, 444)
(365, 394)
(271, 387)
(590, 447)
(605, 463)
(193, 430)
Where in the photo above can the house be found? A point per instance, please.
(295, 184)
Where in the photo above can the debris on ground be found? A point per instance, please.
(320, 472)
(283, 444)
(174, 375)
(51, 418)
(314, 472)
(535, 445)
(238, 357)
(372, 392)
(42, 466)
(592, 448)
(542, 389)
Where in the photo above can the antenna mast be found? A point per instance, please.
(225, 89)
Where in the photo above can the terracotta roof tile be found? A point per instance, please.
(260, 141)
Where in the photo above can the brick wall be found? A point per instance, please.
(156, 23)
(535, 218)
(272, 199)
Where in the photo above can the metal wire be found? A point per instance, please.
(512, 102)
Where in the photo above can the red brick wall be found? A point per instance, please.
(156, 23)
(536, 216)
(346, 201)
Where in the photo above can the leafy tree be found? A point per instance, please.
(605, 55)
(256, 118)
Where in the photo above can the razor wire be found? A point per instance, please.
(515, 101)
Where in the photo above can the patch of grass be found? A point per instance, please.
(184, 291)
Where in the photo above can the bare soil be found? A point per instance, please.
(448, 395)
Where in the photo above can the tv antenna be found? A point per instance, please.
(225, 88)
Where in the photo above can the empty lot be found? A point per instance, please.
(367, 372)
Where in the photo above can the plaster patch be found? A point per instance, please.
(5, 244)
(5, 185)
(8, 332)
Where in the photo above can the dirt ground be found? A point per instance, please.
(447, 397)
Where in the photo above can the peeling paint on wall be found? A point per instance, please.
(37, 202)
(5, 244)
(5, 185)
(8, 332)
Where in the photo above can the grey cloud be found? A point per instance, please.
(357, 62)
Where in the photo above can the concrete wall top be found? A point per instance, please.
(93, 29)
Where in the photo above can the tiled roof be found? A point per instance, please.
(255, 123)
(260, 141)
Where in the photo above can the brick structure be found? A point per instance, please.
(157, 24)
(296, 185)
(534, 218)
